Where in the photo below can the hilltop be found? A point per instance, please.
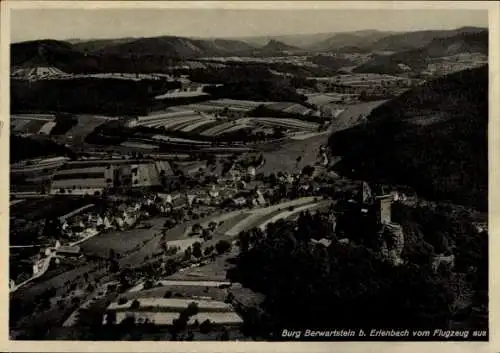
(433, 138)
(418, 39)
(417, 59)
(276, 46)
(361, 40)
(179, 47)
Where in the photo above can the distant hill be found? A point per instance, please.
(45, 53)
(361, 40)
(276, 47)
(433, 138)
(296, 40)
(69, 58)
(418, 39)
(417, 59)
(175, 47)
(95, 45)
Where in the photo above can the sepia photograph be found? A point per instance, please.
(224, 174)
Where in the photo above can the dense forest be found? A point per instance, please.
(433, 138)
(87, 95)
(418, 58)
(25, 148)
(343, 285)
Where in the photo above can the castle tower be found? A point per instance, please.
(383, 208)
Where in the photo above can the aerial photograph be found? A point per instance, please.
(248, 175)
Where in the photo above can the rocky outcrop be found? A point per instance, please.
(442, 260)
(391, 242)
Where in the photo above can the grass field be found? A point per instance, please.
(86, 124)
(284, 158)
(123, 241)
(34, 209)
(179, 290)
(230, 223)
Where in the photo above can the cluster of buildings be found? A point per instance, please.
(94, 176)
(455, 63)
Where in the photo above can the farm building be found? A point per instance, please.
(81, 181)
(69, 251)
(38, 73)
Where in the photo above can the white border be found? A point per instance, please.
(68, 346)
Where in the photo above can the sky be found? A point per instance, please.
(31, 24)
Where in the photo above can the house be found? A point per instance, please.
(322, 241)
(251, 172)
(213, 192)
(69, 251)
(240, 201)
(261, 201)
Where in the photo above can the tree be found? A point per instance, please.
(148, 284)
(122, 301)
(135, 304)
(206, 234)
(288, 271)
(187, 254)
(111, 318)
(206, 327)
(244, 241)
(223, 246)
(212, 226)
(208, 250)
(192, 309)
(196, 228)
(114, 266)
(224, 335)
(197, 250)
(308, 170)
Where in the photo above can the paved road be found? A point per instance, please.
(41, 272)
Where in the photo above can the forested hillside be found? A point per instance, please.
(434, 138)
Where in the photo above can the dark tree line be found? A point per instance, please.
(342, 286)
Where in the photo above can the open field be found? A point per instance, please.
(40, 208)
(122, 241)
(289, 213)
(213, 271)
(259, 216)
(230, 223)
(195, 119)
(85, 125)
(187, 289)
(286, 123)
(284, 158)
(178, 140)
(139, 145)
(173, 304)
(40, 285)
(290, 108)
(30, 126)
(31, 123)
(166, 318)
(37, 165)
